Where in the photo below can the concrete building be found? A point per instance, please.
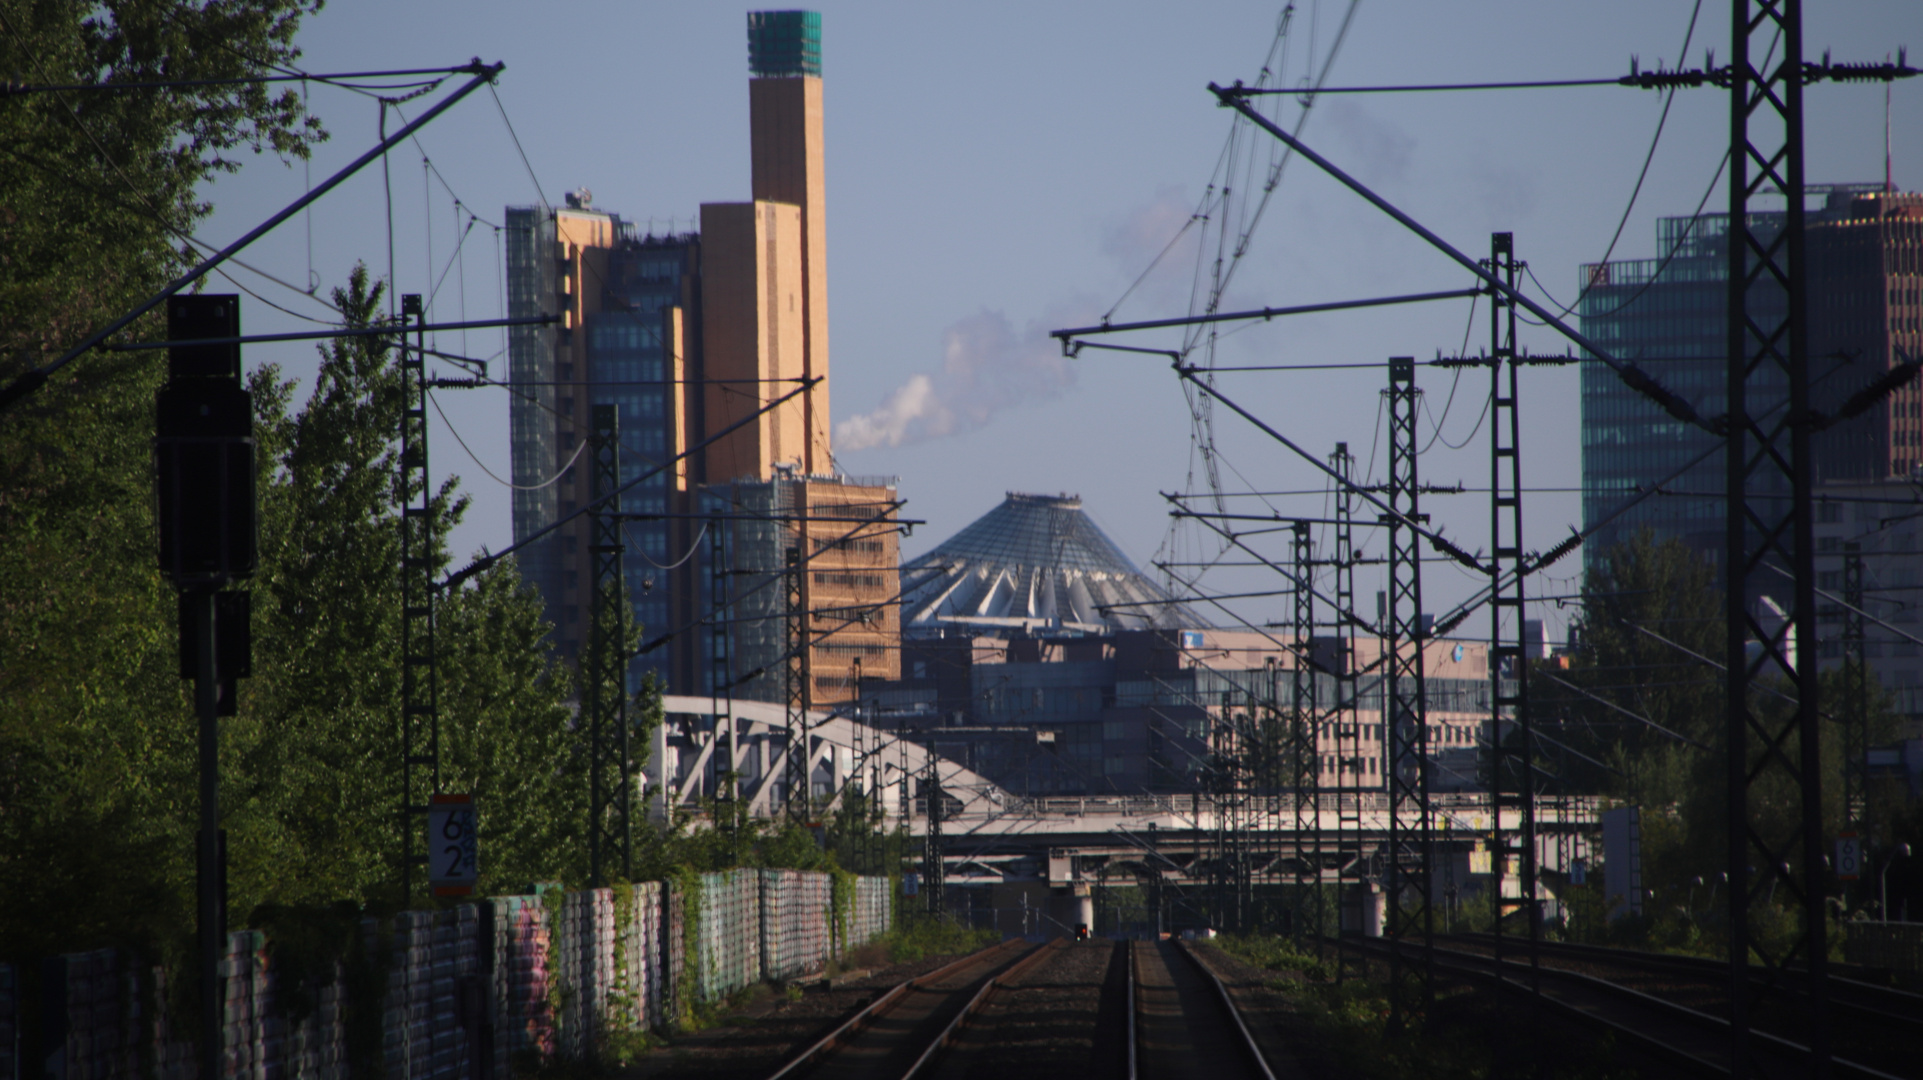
(689, 335)
(1150, 711)
(1667, 313)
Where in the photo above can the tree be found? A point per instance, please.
(95, 837)
(95, 189)
(1651, 639)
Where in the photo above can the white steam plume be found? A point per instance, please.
(986, 367)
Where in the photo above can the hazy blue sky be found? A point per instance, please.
(996, 170)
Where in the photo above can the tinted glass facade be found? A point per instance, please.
(628, 367)
(1668, 315)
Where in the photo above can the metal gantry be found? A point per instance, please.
(605, 682)
(1856, 700)
(1409, 918)
(1773, 751)
(420, 729)
(933, 873)
(1305, 753)
(1344, 725)
(800, 794)
(1512, 772)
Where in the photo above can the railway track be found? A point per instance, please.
(1684, 1036)
(1878, 1026)
(1140, 1010)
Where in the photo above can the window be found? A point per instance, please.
(1829, 513)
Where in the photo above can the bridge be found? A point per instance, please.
(992, 836)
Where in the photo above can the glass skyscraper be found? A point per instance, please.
(1667, 313)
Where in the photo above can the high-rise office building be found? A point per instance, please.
(1667, 313)
(688, 335)
(622, 296)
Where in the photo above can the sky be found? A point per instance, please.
(998, 170)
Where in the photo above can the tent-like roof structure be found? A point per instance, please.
(1034, 562)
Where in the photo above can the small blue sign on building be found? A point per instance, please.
(1191, 639)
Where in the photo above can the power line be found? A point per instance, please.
(473, 67)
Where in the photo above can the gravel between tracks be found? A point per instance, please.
(1058, 1016)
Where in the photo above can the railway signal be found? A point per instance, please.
(205, 510)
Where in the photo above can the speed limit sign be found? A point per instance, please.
(1849, 857)
(452, 853)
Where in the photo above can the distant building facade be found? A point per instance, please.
(693, 336)
(1667, 313)
(1134, 711)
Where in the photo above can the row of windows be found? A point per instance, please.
(837, 648)
(850, 579)
(864, 546)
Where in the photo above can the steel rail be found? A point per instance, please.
(1890, 1001)
(874, 1010)
(1222, 994)
(948, 1033)
(1471, 962)
(1128, 1009)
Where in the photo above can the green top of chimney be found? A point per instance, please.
(784, 44)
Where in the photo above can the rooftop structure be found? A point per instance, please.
(1034, 562)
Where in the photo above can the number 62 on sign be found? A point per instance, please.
(453, 854)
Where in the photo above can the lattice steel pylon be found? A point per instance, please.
(721, 673)
(1344, 727)
(1405, 716)
(1304, 755)
(1511, 762)
(1856, 700)
(800, 787)
(1770, 748)
(420, 685)
(605, 665)
(934, 859)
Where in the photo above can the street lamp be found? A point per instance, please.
(1901, 851)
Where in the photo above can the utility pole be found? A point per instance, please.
(1405, 714)
(721, 674)
(1769, 529)
(1345, 722)
(204, 479)
(1304, 753)
(800, 772)
(1856, 701)
(420, 686)
(1509, 764)
(933, 868)
(610, 758)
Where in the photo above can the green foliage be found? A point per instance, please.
(1647, 608)
(1272, 951)
(96, 748)
(917, 935)
(100, 741)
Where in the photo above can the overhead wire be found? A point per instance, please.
(145, 205)
(525, 163)
(452, 430)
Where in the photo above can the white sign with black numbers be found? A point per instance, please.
(1849, 857)
(453, 854)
